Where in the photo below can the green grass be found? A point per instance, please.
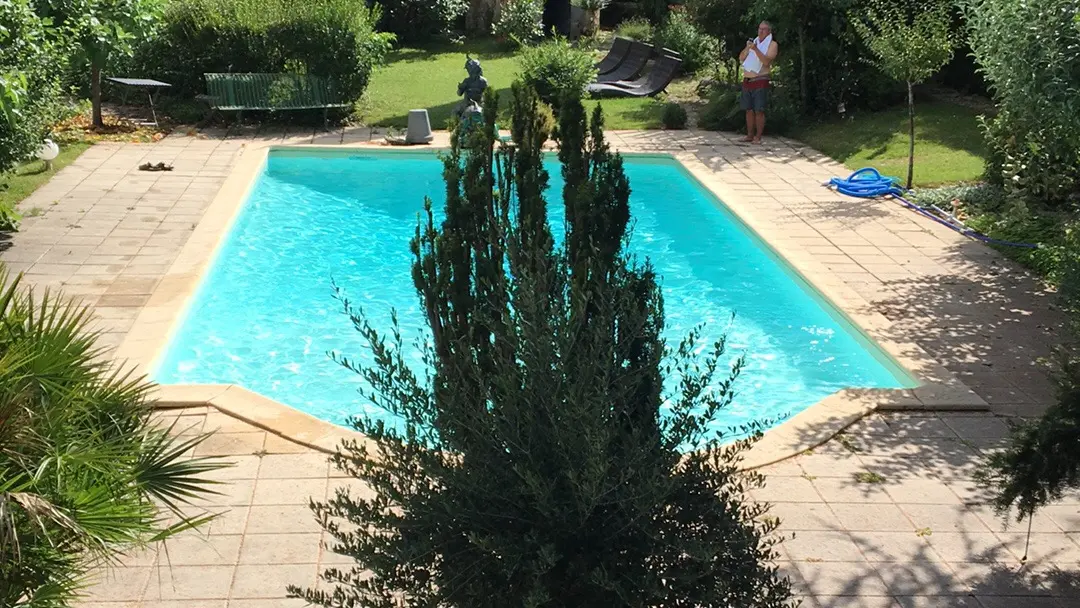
(413, 78)
(21, 183)
(949, 146)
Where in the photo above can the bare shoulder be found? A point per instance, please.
(774, 49)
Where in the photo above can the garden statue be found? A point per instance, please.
(472, 88)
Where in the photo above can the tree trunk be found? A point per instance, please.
(481, 15)
(95, 89)
(592, 22)
(803, 93)
(911, 134)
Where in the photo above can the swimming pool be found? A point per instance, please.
(264, 318)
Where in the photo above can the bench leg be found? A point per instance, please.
(325, 120)
(153, 112)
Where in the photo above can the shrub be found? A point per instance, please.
(557, 69)
(334, 39)
(726, 21)
(1035, 136)
(722, 112)
(539, 462)
(654, 10)
(824, 56)
(697, 49)
(420, 20)
(637, 28)
(82, 464)
(520, 21)
(674, 116)
(30, 96)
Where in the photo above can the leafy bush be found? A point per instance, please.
(421, 20)
(674, 116)
(82, 464)
(334, 39)
(654, 10)
(637, 28)
(723, 113)
(987, 208)
(520, 21)
(557, 69)
(698, 49)
(30, 96)
(542, 462)
(1035, 136)
(824, 56)
(726, 21)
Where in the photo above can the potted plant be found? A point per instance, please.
(592, 10)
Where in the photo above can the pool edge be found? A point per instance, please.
(146, 342)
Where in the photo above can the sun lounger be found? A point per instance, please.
(635, 61)
(652, 83)
(620, 48)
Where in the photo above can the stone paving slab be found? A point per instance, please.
(904, 538)
(106, 233)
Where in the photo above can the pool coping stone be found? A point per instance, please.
(153, 328)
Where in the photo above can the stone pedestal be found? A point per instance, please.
(419, 128)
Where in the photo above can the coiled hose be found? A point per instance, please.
(869, 183)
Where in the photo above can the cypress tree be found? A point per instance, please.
(541, 462)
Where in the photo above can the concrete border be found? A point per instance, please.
(167, 306)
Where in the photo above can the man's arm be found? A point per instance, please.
(744, 54)
(767, 57)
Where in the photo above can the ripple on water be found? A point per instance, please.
(265, 318)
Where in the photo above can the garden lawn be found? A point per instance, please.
(27, 177)
(414, 78)
(949, 145)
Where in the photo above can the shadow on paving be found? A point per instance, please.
(989, 324)
(888, 514)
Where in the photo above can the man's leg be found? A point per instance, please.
(760, 100)
(746, 102)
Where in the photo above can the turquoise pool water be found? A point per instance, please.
(264, 317)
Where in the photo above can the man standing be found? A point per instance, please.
(757, 59)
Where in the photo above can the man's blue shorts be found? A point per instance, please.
(754, 96)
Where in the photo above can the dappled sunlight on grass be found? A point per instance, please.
(414, 78)
(949, 146)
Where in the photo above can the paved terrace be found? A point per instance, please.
(107, 233)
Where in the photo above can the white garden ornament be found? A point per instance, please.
(48, 152)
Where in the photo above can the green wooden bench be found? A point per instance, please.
(244, 91)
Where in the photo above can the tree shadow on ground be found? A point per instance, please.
(945, 124)
(888, 513)
(987, 321)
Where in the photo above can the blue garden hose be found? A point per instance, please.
(869, 183)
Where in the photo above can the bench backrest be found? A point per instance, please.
(270, 92)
